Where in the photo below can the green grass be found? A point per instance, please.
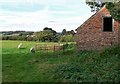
(19, 65)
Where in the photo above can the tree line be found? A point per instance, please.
(46, 35)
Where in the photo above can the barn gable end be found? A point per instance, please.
(90, 34)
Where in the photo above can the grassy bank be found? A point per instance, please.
(19, 65)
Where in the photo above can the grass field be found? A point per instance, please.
(19, 65)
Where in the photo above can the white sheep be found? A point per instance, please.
(32, 50)
(20, 45)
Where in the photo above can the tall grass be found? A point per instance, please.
(91, 66)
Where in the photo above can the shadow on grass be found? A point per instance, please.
(22, 48)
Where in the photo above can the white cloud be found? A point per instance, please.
(30, 17)
(37, 20)
(40, 19)
(44, 2)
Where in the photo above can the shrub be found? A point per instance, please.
(69, 72)
(69, 46)
(113, 51)
(67, 38)
(29, 38)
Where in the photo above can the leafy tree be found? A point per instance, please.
(39, 35)
(73, 32)
(113, 7)
(95, 6)
(20, 34)
(63, 31)
(47, 35)
(5, 37)
(46, 28)
(70, 32)
(49, 30)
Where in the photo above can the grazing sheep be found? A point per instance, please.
(32, 50)
(20, 45)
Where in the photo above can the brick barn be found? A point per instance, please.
(98, 32)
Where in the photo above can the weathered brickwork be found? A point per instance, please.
(90, 35)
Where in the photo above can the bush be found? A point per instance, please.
(68, 72)
(113, 51)
(67, 38)
(29, 38)
(91, 66)
(69, 46)
(5, 37)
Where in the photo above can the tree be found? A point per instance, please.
(73, 32)
(70, 32)
(39, 35)
(63, 31)
(95, 6)
(48, 29)
(20, 34)
(47, 35)
(113, 7)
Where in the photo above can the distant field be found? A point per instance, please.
(19, 65)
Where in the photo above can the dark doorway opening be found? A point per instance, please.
(107, 24)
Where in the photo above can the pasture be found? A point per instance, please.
(20, 65)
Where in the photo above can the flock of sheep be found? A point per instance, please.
(32, 50)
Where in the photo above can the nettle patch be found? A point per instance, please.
(67, 72)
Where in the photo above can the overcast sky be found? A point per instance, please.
(34, 15)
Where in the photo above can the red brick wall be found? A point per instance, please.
(90, 35)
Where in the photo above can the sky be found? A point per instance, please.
(34, 15)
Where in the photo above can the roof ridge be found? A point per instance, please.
(93, 15)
